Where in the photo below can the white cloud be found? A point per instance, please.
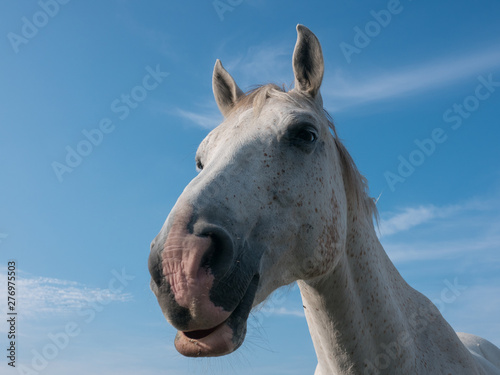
(459, 242)
(343, 91)
(206, 120)
(264, 63)
(442, 232)
(261, 64)
(271, 62)
(411, 217)
(43, 296)
(428, 249)
(406, 220)
(279, 302)
(267, 311)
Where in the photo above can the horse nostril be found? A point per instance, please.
(219, 255)
(207, 259)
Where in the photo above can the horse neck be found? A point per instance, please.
(346, 307)
(365, 319)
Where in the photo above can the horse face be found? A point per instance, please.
(259, 215)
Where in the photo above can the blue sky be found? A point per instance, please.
(416, 100)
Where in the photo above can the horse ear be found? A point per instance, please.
(308, 65)
(226, 91)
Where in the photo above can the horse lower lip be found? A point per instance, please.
(212, 342)
(223, 338)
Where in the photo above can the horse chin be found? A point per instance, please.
(214, 342)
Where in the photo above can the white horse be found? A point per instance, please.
(279, 199)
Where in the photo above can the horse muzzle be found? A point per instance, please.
(203, 284)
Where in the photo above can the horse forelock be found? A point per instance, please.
(356, 185)
(257, 96)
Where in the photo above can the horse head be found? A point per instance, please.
(267, 207)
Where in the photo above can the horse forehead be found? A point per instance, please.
(274, 115)
(286, 111)
(251, 125)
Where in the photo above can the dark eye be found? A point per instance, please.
(306, 134)
(303, 135)
(199, 165)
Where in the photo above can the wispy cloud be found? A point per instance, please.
(260, 64)
(409, 217)
(271, 62)
(428, 249)
(344, 91)
(282, 302)
(272, 310)
(440, 232)
(413, 216)
(204, 119)
(263, 63)
(405, 220)
(44, 296)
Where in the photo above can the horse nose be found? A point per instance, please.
(186, 265)
(193, 257)
(212, 244)
(154, 266)
(218, 257)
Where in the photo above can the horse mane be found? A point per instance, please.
(356, 184)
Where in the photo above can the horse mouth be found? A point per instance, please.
(213, 342)
(201, 333)
(223, 338)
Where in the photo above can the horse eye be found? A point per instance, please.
(199, 165)
(306, 134)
